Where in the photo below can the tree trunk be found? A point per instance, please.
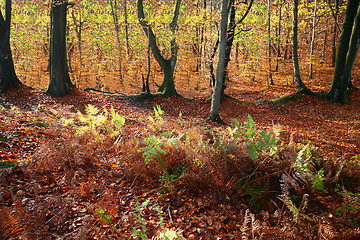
(353, 49)
(216, 97)
(126, 29)
(269, 43)
(278, 34)
(229, 42)
(333, 54)
(167, 88)
(339, 84)
(312, 42)
(299, 83)
(114, 12)
(8, 78)
(60, 83)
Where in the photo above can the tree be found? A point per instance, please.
(312, 42)
(299, 83)
(8, 76)
(217, 91)
(346, 53)
(60, 83)
(167, 88)
(232, 24)
(269, 42)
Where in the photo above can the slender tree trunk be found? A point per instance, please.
(126, 29)
(60, 83)
(8, 78)
(278, 39)
(229, 42)
(345, 58)
(312, 42)
(114, 10)
(333, 54)
(269, 42)
(78, 29)
(324, 45)
(216, 97)
(299, 83)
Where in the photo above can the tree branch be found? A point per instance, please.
(149, 32)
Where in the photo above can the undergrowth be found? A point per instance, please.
(90, 155)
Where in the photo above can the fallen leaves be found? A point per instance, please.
(96, 199)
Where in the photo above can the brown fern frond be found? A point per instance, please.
(11, 225)
(292, 180)
(246, 225)
(255, 227)
(326, 231)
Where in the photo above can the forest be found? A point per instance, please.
(179, 119)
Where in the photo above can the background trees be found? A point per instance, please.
(8, 76)
(95, 41)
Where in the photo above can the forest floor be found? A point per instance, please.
(49, 196)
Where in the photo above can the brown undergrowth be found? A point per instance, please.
(85, 176)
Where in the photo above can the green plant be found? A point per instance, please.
(350, 208)
(304, 165)
(157, 121)
(138, 215)
(318, 182)
(7, 164)
(251, 189)
(104, 216)
(153, 150)
(163, 234)
(256, 142)
(96, 122)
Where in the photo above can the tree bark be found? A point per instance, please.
(114, 12)
(299, 83)
(278, 34)
(216, 97)
(8, 78)
(312, 42)
(60, 83)
(229, 43)
(167, 88)
(126, 29)
(339, 85)
(269, 43)
(353, 49)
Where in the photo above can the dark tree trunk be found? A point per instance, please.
(217, 90)
(299, 83)
(271, 82)
(339, 84)
(353, 50)
(334, 37)
(230, 39)
(8, 76)
(229, 43)
(60, 83)
(167, 88)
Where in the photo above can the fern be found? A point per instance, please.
(256, 142)
(95, 121)
(164, 233)
(153, 150)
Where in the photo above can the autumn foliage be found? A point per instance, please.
(86, 174)
(96, 165)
